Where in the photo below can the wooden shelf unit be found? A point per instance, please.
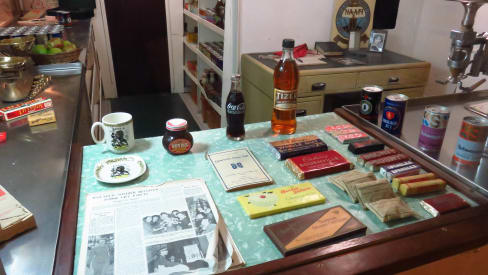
(209, 32)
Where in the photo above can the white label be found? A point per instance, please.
(285, 100)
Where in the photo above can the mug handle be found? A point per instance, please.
(94, 126)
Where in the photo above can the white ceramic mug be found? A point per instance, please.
(118, 131)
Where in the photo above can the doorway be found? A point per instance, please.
(139, 41)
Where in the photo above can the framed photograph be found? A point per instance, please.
(377, 40)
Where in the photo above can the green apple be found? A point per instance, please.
(69, 48)
(66, 43)
(55, 43)
(39, 49)
(54, 51)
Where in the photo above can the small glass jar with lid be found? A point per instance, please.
(177, 140)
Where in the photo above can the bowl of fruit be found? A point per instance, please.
(18, 46)
(56, 50)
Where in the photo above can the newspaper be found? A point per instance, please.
(173, 228)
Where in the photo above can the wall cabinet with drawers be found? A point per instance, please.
(394, 72)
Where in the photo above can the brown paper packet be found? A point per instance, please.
(391, 209)
(373, 191)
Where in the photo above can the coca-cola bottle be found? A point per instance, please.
(235, 109)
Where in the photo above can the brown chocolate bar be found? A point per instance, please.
(367, 146)
(375, 155)
(315, 229)
(375, 165)
(288, 148)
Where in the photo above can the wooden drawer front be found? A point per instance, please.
(327, 82)
(393, 78)
(313, 105)
(411, 93)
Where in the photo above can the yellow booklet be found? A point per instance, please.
(280, 199)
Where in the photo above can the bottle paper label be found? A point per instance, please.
(285, 100)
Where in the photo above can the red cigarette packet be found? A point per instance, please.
(354, 137)
(444, 204)
(318, 164)
(25, 108)
(333, 128)
(375, 165)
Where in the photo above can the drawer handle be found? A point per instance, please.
(393, 79)
(319, 86)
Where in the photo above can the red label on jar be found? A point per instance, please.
(179, 146)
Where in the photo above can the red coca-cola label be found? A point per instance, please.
(179, 146)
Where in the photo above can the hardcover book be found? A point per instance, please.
(288, 148)
(318, 164)
(280, 199)
(315, 229)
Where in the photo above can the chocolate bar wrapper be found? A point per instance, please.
(288, 148)
(388, 168)
(362, 159)
(443, 204)
(318, 164)
(25, 108)
(315, 229)
(410, 170)
(422, 187)
(366, 146)
(280, 199)
(354, 137)
(374, 165)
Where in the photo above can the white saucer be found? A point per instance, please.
(120, 169)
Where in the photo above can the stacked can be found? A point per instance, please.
(434, 126)
(370, 103)
(52, 30)
(471, 141)
(394, 113)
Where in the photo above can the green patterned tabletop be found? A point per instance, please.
(247, 233)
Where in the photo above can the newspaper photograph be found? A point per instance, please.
(173, 228)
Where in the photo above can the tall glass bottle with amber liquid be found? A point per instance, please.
(285, 91)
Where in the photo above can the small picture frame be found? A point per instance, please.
(377, 40)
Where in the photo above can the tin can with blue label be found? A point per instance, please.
(471, 141)
(394, 113)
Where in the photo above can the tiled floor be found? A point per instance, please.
(150, 112)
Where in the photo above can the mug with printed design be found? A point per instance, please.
(118, 131)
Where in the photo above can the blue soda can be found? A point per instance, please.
(394, 113)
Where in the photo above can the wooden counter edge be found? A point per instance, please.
(65, 249)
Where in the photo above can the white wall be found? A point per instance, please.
(264, 23)
(422, 31)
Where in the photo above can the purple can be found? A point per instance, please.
(434, 126)
(394, 113)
